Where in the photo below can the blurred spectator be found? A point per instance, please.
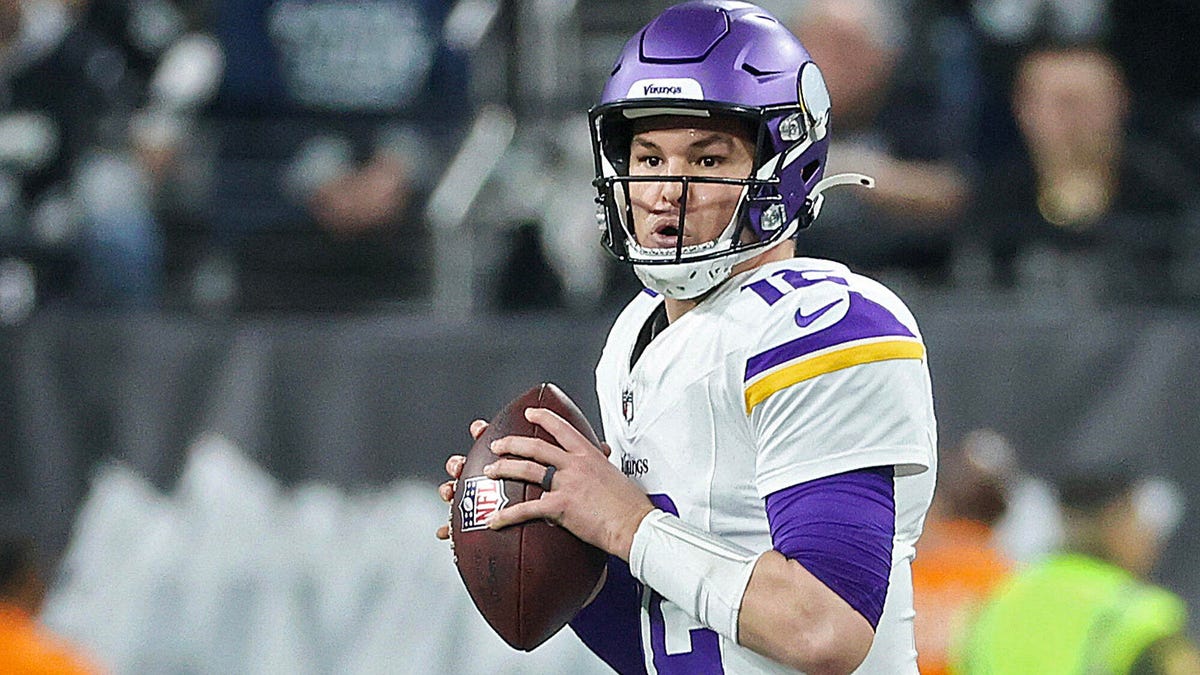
(26, 648)
(1088, 609)
(1150, 39)
(1004, 30)
(894, 121)
(1088, 211)
(958, 563)
(328, 121)
(74, 209)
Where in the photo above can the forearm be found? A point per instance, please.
(766, 602)
(788, 615)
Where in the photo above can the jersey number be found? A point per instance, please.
(771, 292)
(704, 654)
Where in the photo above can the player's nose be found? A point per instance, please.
(671, 191)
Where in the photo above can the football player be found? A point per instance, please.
(769, 417)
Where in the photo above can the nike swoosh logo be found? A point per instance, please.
(805, 320)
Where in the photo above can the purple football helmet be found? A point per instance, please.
(707, 58)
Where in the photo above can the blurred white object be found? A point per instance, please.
(28, 141)
(1011, 21)
(469, 22)
(320, 159)
(154, 24)
(568, 216)
(188, 74)
(450, 205)
(991, 451)
(18, 291)
(107, 184)
(234, 574)
(1032, 524)
(1159, 504)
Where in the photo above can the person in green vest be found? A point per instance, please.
(1087, 609)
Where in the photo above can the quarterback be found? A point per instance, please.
(770, 437)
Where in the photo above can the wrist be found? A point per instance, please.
(702, 573)
(624, 537)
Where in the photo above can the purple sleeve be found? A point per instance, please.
(611, 625)
(840, 529)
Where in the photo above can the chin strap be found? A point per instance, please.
(817, 197)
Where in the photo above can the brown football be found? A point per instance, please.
(527, 580)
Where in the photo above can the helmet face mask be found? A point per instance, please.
(760, 213)
(729, 239)
(713, 59)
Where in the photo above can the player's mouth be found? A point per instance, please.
(666, 234)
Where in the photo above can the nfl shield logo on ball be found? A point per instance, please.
(627, 405)
(482, 498)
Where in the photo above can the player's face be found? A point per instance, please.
(686, 146)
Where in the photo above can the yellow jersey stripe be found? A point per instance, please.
(829, 362)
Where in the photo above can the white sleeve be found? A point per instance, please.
(873, 414)
(838, 381)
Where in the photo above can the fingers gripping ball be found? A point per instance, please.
(527, 580)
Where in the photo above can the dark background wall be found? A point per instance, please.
(369, 400)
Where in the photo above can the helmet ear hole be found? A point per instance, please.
(810, 170)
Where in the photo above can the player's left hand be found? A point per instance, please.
(454, 467)
(588, 495)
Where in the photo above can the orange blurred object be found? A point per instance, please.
(26, 648)
(956, 568)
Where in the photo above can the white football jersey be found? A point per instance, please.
(793, 371)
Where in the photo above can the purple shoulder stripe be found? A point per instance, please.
(840, 529)
(864, 319)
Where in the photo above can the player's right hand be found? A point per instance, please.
(589, 495)
(454, 467)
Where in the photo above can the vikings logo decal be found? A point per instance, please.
(627, 405)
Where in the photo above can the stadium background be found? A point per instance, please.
(247, 486)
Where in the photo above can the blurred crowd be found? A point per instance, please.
(282, 154)
(1033, 145)
(1019, 574)
(220, 153)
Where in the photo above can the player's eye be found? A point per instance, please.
(710, 161)
(647, 161)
